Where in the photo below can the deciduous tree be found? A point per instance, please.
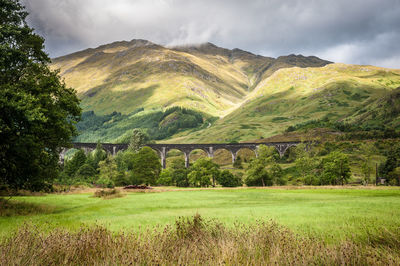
(146, 167)
(37, 110)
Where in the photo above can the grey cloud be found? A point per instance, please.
(357, 31)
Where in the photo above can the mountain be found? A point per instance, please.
(226, 95)
(123, 76)
(300, 98)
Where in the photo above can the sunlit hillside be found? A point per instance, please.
(291, 96)
(123, 76)
(239, 96)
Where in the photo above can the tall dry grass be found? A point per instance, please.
(189, 241)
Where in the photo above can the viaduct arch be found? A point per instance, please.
(209, 148)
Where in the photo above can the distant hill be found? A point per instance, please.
(235, 95)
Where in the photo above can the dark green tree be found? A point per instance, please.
(387, 169)
(180, 177)
(99, 154)
(107, 172)
(71, 166)
(200, 177)
(86, 173)
(204, 168)
(257, 175)
(138, 139)
(276, 172)
(146, 167)
(179, 172)
(227, 179)
(37, 111)
(336, 169)
(165, 178)
(238, 163)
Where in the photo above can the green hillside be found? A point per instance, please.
(236, 95)
(295, 96)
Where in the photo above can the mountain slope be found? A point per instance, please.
(132, 84)
(124, 76)
(293, 96)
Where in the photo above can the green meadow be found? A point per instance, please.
(331, 214)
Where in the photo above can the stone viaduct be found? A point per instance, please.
(162, 149)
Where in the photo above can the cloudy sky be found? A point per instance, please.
(348, 31)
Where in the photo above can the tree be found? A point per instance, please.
(125, 160)
(86, 173)
(227, 179)
(267, 154)
(336, 168)
(107, 172)
(99, 154)
(367, 150)
(165, 178)
(391, 163)
(179, 173)
(204, 168)
(276, 173)
(366, 171)
(72, 166)
(138, 139)
(257, 175)
(200, 178)
(180, 177)
(146, 167)
(307, 166)
(37, 110)
(238, 163)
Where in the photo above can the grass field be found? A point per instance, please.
(332, 214)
